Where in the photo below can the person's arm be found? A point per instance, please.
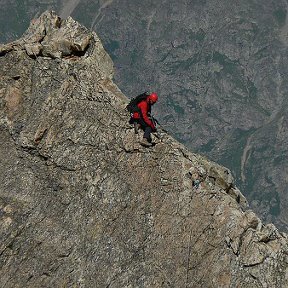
(144, 110)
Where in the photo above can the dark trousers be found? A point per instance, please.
(146, 128)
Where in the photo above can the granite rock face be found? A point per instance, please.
(221, 75)
(82, 204)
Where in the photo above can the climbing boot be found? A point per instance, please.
(144, 142)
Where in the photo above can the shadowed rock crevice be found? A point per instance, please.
(83, 204)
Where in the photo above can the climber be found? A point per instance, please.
(140, 109)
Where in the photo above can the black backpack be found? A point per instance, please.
(132, 106)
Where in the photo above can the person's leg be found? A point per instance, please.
(147, 129)
(131, 120)
(146, 141)
(147, 133)
(136, 126)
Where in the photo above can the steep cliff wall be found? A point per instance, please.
(83, 204)
(221, 73)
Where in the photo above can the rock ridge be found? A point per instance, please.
(83, 204)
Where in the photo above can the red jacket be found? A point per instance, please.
(145, 108)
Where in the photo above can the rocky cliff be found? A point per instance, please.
(222, 77)
(221, 74)
(82, 204)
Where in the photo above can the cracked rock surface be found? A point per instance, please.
(82, 204)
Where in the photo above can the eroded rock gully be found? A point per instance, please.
(82, 204)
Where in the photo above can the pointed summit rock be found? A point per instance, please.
(83, 204)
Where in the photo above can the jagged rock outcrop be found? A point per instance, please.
(82, 204)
